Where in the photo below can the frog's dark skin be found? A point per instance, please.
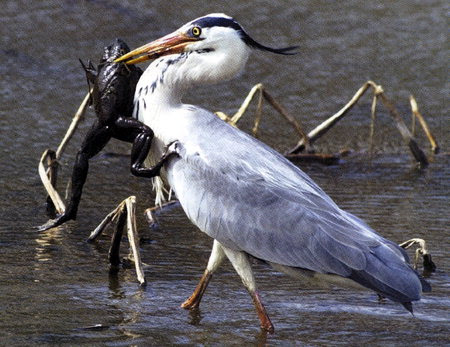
(114, 85)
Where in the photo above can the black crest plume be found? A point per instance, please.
(208, 22)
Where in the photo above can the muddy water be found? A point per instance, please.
(56, 289)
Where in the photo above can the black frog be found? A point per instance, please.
(114, 85)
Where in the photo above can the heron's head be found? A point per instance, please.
(214, 47)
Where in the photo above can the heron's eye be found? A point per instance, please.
(196, 31)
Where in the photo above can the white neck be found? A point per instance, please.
(160, 89)
(157, 88)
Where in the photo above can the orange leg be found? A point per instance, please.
(194, 300)
(215, 259)
(242, 265)
(264, 319)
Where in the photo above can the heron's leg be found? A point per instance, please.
(95, 140)
(215, 259)
(242, 265)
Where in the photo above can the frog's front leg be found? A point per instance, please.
(132, 130)
(91, 72)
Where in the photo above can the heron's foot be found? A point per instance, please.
(267, 326)
(52, 223)
(193, 301)
(264, 319)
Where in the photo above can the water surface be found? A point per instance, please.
(56, 289)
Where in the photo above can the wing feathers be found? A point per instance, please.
(250, 198)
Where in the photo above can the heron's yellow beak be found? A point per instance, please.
(173, 43)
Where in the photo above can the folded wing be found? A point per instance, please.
(249, 197)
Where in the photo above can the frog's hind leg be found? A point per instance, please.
(95, 140)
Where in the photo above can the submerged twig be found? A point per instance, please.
(49, 176)
(307, 139)
(323, 128)
(379, 93)
(421, 250)
(418, 154)
(259, 88)
(258, 115)
(326, 159)
(133, 238)
(423, 123)
(124, 213)
(243, 108)
(295, 123)
(79, 115)
(373, 116)
(110, 218)
(151, 220)
(48, 180)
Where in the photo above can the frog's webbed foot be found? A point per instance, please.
(137, 168)
(173, 148)
(52, 223)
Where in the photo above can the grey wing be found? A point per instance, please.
(250, 198)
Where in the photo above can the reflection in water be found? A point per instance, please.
(261, 338)
(196, 316)
(47, 244)
(114, 285)
(132, 310)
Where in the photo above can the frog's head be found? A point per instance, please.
(114, 51)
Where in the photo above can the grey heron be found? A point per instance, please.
(242, 193)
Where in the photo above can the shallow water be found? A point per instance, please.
(56, 289)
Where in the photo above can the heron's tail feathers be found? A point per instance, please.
(391, 277)
(408, 306)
